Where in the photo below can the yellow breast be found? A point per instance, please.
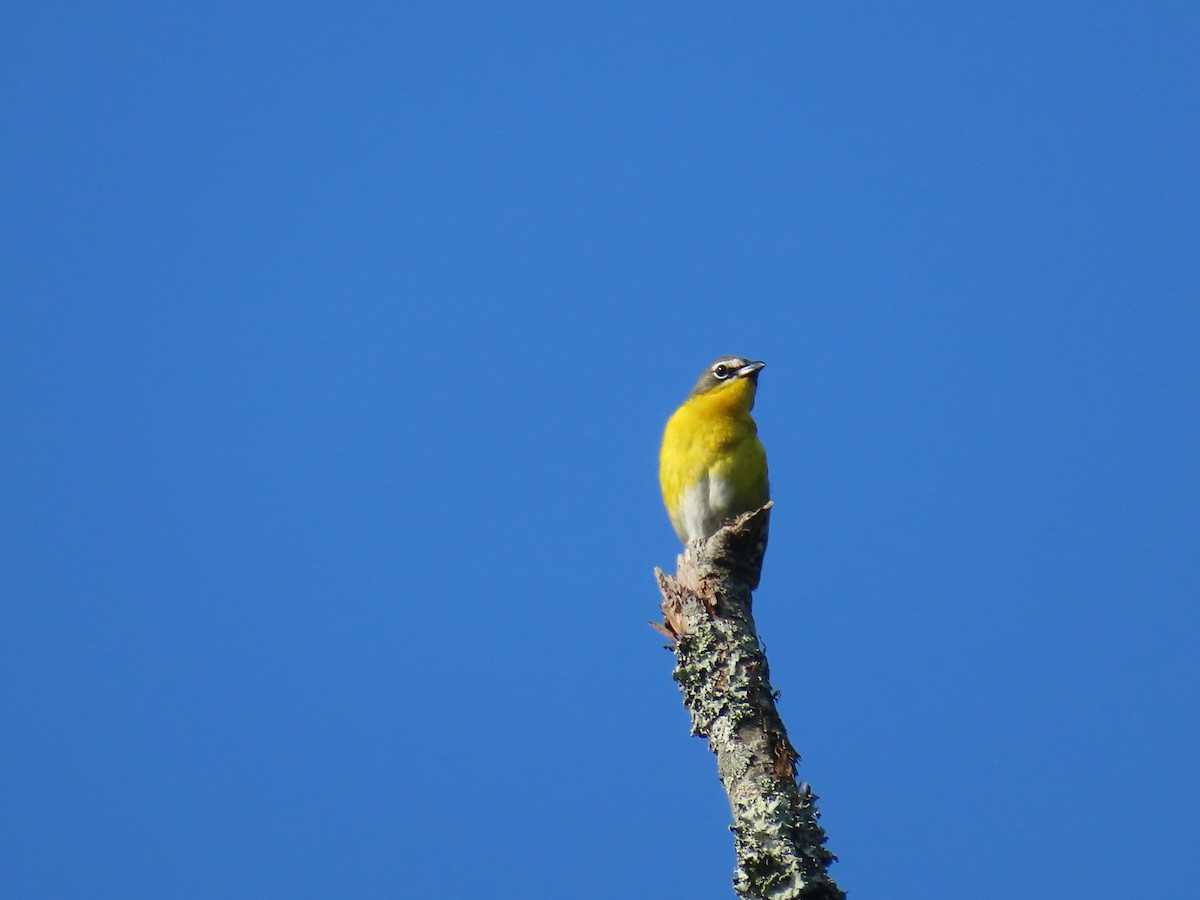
(712, 465)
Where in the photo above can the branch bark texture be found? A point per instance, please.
(722, 671)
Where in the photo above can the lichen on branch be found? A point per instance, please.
(722, 671)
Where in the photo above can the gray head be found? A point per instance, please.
(725, 369)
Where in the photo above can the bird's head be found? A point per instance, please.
(729, 372)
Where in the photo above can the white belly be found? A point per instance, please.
(705, 506)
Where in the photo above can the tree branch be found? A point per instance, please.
(722, 671)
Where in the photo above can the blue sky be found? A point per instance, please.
(336, 346)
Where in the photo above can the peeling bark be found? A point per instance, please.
(722, 671)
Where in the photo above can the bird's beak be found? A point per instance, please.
(749, 369)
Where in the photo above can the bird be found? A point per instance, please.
(712, 465)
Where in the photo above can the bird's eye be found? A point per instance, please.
(721, 370)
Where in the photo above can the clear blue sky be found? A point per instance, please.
(336, 344)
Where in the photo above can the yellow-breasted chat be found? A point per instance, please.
(712, 466)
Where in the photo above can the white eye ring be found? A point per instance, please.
(721, 370)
